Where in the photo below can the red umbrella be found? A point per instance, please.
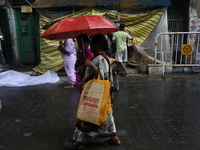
(72, 27)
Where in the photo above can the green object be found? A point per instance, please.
(27, 28)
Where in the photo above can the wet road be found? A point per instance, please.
(151, 113)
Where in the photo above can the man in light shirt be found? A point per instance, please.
(121, 38)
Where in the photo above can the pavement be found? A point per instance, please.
(151, 113)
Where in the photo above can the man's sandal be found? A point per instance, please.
(111, 141)
(69, 86)
(74, 145)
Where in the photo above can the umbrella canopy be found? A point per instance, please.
(72, 27)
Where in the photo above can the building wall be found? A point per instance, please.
(194, 15)
(20, 2)
(195, 4)
(2, 3)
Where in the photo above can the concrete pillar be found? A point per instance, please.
(12, 25)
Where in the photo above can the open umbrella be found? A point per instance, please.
(72, 27)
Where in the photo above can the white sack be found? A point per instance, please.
(12, 78)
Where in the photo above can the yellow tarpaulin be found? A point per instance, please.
(140, 25)
(50, 57)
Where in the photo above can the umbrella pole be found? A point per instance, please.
(83, 47)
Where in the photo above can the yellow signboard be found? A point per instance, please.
(26, 9)
(187, 49)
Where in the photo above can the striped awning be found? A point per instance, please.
(102, 3)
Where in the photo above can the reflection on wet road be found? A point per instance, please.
(150, 112)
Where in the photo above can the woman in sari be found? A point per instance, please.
(85, 131)
(84, 53)
(68, 51)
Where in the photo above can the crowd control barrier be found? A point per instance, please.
(178, 49)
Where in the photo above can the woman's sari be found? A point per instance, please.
(84, 130)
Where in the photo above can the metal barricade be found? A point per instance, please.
(178, 49)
